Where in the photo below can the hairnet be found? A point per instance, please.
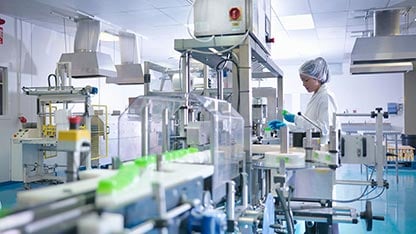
(316, 68)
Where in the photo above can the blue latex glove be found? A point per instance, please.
(289, 117)
(276, 124)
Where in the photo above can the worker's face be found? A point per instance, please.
(310, 84)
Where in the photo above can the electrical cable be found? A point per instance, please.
(225, 50)
(238, 78)
(290, 224)
(188, 26)
(363, 194)
(372, 198)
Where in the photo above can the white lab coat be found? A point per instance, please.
(320, 109)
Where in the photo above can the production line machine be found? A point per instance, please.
(187, 163)
(34, 155)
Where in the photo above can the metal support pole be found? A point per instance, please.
(230, 190)
(87, 120)
(145, 130)
(165, 130)
(146, 85)
(159, 194)
(308, 147)
(186, 84)
(284, 139)
(380, 154)
(244, 199)
(73, 163)
(242, 100)
(220, 89)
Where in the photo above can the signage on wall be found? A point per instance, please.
(2, 21)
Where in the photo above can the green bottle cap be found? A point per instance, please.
(141, 162)
(192, 150)
(106, 186)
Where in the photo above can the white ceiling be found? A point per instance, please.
(337, 23)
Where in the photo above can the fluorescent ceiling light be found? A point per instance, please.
(297, 22)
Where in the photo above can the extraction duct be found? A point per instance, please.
(130, 70)
(387, 51)
(86, 61)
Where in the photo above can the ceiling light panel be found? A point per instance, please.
(285, 7)
(297, 22)
(320, 6)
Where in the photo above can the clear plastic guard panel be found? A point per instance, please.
(212, 125)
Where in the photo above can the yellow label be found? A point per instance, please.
(74, 135)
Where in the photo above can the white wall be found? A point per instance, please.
(30, 53)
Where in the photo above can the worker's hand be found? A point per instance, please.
(276, 124)
(288, 116)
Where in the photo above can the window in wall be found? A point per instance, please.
(3, 90)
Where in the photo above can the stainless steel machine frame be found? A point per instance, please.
(249, 52)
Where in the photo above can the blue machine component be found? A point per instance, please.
(207, 221)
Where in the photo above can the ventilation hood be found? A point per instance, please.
(386, 52)
(86, 62)
(130, 70)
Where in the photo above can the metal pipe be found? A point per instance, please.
(178, 211)
(220, 89)
(230, 190)
(145, 130)
(159, 194)
(146, 70)
(143, 228)
(380, 154)
(353, 115)
(286, 210)
(310, 121)
(284, 139)
(150, 225)
(244, 182)
(308, 147)
(73, 162)
(353, 182)
(165, 130)
(87, 121)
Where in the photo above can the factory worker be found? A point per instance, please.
(314, 75)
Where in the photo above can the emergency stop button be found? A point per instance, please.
(235, 13)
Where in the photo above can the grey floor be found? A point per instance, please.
(397, 204)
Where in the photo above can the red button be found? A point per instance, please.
(234, 13)
(75, 120)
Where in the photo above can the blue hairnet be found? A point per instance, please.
(317, 69)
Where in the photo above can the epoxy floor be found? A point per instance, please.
(397, 204)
